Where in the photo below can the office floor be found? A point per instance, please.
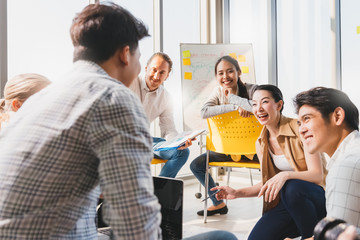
(242, 215)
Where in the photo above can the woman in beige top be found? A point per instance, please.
(292, 178)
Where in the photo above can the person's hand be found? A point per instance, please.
(228, 91)
(349, 234)
(225, 193)
(273, 186)
(243, 113)
(187, 144)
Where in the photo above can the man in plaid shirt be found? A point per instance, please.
(86, 130)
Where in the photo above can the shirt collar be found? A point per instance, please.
(342, 147)
(284, 129)
(145, 87)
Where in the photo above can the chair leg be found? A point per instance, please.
(251, 180)
(206, 185)
(198, 194)
(228, 179)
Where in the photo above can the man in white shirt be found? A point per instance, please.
(329, 122)
(157, 102)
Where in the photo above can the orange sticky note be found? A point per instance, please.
(188, 76)
(244, 69)
(242, 58)
(186, 54)
(358, 29)
(186, 61)
(233, 55)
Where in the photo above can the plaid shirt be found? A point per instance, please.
(85, 130)
(343, 181)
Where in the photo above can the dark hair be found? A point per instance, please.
(275, 92)
(163, 56)
(325, 100)
(241, 86)
(99, 30)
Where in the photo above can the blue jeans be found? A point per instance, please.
(301, 206)
(198, 167)
(176, 159)
(213, 235)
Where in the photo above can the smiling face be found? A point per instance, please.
(265, 109)
(315, 132)
(227, 75)
(156, 72)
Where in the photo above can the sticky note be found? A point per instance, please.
(186, 61)
(358, 29)
(186, 54)
(233, 55)
(244, 69)
(188, 75)
(242, 58)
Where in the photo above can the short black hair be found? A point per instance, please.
(99, 30)
(325, 100)
(275, 92)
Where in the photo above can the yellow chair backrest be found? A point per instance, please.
(231, 134)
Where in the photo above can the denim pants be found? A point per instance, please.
(176, 159)
(198, 167)
(301, 206)
(213, 235)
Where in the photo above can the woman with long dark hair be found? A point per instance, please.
(227, 73)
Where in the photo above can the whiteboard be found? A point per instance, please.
(198, 75)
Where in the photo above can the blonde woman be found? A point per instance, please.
(17, 90)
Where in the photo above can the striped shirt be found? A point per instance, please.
(85, 131)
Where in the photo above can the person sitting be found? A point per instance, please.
(227, 73)
(156, 101)
(16, 91)
(292, 177)
(329, 122)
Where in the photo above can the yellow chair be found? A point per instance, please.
(232, 135)
(155, 161)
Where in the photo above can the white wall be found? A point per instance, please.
(304, 53)
(248, 24)
(350, 49)
(39, 37)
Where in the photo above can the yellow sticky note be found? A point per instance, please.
(186, 61)
(186, 54)
(233, 55)
(358, 30)
(242, 58)
(188, 75)
(244, 69)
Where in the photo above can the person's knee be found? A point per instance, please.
(197, 165)
(185, 153)
(291, 191)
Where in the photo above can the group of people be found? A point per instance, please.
(89, 134)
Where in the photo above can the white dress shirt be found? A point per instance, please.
(156, 103)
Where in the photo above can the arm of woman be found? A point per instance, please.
(313, 174)
(230, 193)
(244, 103)
(214, 106)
